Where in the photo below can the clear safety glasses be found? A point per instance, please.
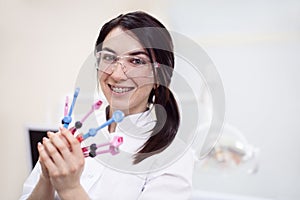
(132, 65)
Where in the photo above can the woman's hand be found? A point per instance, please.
(45, 173)
(62, 161)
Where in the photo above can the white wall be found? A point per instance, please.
(255, 46)
(43, 45)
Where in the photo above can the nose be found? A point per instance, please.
(118, 72)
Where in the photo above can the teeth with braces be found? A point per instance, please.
(120, 90)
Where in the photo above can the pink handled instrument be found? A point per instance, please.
(113, 147)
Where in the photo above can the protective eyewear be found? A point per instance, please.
(132, 65)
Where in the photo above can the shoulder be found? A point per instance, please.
(182, 167)
(172, 182)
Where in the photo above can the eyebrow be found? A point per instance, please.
(108, 49)
(134, 53)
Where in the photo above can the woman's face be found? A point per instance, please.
(122, 90)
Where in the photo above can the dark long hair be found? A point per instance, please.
(152, 33)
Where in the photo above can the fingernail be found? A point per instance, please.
(49, 134)
(62, 129)
(40, 145)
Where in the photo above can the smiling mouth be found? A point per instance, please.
(120, 90)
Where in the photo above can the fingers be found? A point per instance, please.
(60, 144)
(53, 152)
(62, 157)
(67, 146)
(61, 147)
(45, 159)
(73, 142)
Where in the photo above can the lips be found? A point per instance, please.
(120, 89)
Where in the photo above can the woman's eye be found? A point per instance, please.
(109, 57)
(138, 61)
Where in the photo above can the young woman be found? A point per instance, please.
(135, 61)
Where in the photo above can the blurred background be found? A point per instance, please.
(255, 46)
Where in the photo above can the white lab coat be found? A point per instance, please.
(155, 179)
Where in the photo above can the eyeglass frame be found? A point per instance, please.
(117, 60)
